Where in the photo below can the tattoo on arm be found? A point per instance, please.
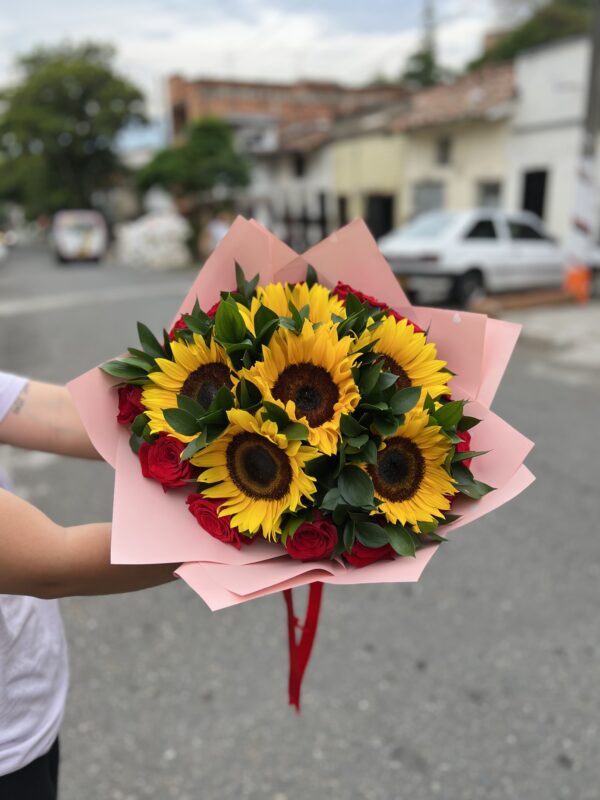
(20, 401)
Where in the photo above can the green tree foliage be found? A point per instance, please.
(58, 125)
(207, 158)
(422, 70)
(552, 20)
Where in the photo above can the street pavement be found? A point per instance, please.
(481, 682)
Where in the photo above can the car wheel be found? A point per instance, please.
(468, 288)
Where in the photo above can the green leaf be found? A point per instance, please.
(466, 423)
(248, 395)
(358, 441)
(194, 446)
(385, 425)
(144, 358)
(468, 454)
(371, 535)
(244, 287)
(369, 452)
(190, 405)
(229, 324)
(265, 323)
(139, 423)
(276, 414)
(405, 399)
(181, 421)
(427, 527)
(475, 490)
(368, 379)
(356, 486)
(198, 324)
(120, 368)
(401, 539)
(311, 276)
(150, 343)
(353, 305)
(331, 500)
(385, 380)
(223, 400)
(349, 535)
(449, 415)
(295, 431)
(350, 427)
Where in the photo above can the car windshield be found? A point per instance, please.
(428, 226)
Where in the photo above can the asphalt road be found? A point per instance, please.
(480, 682)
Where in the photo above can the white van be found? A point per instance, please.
(79, 236)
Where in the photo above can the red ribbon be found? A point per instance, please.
(300, 650)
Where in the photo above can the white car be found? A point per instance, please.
(462, 255)
(79, 236)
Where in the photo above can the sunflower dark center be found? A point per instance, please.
(203, 383)
(390, 365)
(311, 388)
(399, 471)
(258, 468)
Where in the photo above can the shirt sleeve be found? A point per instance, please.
(10, 387)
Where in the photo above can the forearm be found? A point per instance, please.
(44, 417)
(40, 558)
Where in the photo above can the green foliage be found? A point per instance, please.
(553, 20)
(207, 158)
(422, 70)
(58, 125)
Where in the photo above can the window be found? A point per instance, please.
(428, 196)
(299, 165)
(488, 194)
(483, 229)
(443, 150)
(521, 230)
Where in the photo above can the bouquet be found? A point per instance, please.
(306, 431)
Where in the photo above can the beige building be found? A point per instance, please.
(457, 137)
(444, 147)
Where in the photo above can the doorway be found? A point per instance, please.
(380, 214)
(534, 191)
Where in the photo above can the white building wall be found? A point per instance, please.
(547, 126)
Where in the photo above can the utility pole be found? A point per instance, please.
(429, 26)
(584, 220)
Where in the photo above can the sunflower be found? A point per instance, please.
(197, 370)
(410, 481)
(310, 375)
(258, 472)
(321, 302)
(408, 355)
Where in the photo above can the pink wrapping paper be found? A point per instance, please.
(476, 348)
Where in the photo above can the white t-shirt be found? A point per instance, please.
(34, 671)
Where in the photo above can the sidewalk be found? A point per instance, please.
(571, 331)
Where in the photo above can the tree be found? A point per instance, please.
(58, 125)
(422, 70)
(206, 159)
(549, 21)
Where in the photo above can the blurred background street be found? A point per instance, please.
(465, 134)
(483, 684)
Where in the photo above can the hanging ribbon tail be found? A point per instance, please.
(300, 650)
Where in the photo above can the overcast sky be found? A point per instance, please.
(344, 40)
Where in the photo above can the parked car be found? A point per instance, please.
(460, 256)
(79, 236)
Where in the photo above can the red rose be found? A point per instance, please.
(130, 404)
(342, 289)
(464, 446)
(362, 556)
(161, 460)
(313, 540)
(205, 509)
(213, 309)
(179, 326)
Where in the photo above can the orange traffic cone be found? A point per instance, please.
(578, 282)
